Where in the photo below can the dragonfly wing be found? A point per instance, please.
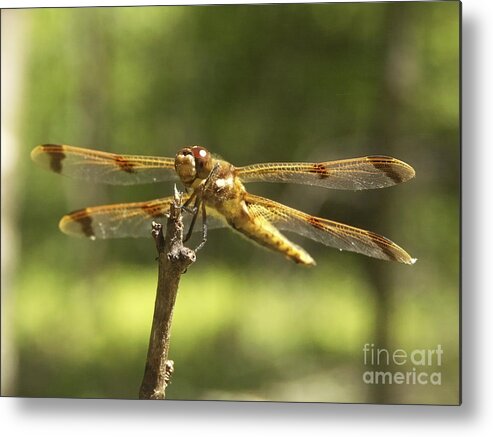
(328, 232)
(104, 167)
(364, 173)
(126, 220)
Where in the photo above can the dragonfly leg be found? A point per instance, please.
(195, 210)
(204, 228)
(192, 210)
(186, 207)
(198, 192)
(211, 174)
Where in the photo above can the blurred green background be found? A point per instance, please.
(253, 84)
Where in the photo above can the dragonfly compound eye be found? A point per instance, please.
(203, 161)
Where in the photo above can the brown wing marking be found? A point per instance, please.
(328, 232)
(364, 173)
(124, 220)
(104, 167)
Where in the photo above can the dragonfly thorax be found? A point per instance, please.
(192, 163)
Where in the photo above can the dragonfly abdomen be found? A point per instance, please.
(262, 232)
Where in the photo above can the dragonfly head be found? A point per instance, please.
(192, 163)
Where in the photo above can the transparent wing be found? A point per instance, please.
(327, 232)
(104, 167)
(364, 173)
(123, 220)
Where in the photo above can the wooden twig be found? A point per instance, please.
(173, 259)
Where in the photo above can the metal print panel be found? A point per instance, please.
(249, 202)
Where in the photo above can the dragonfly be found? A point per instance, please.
(215, 190)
